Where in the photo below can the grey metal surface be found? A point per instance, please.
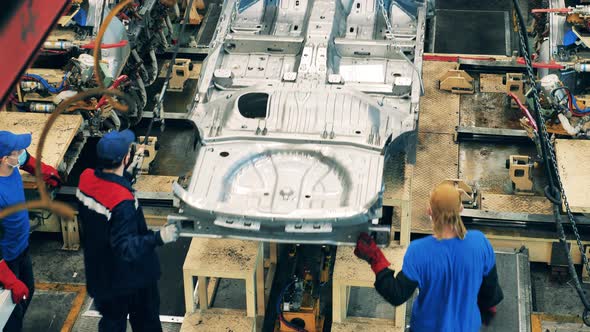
(299, 103)
(6, 306)
(51, 310)
(456, 33)
(515, 278)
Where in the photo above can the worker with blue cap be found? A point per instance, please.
(16, 270)
(122, 267)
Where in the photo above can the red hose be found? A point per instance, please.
(524, 110)
(545, 65)
(551, 10)
(453, 58)
(91, 45)
(116, 83)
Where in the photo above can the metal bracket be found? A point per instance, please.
(181, 72)
(149, 153)
(515, 84)
(71, 235)
(457, 81)
(520, 169)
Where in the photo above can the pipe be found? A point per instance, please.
(582, 67)
(142, 93)
(154, 67)
(551, 10)
(116, 121)
(92, 45)
(565, 123)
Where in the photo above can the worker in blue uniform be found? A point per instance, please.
(122, 267)
(16, 269)
(454, 270)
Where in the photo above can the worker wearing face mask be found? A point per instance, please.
(16, 270)
(122, 267)
(454, 269)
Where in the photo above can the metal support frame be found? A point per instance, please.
(499, 135)
(70, 230)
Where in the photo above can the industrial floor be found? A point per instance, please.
(49, 309)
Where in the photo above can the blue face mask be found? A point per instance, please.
(22, 158)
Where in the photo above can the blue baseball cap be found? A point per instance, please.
(113, 146)
(13, 142)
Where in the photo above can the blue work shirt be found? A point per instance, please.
(449, 274)
(14, 232)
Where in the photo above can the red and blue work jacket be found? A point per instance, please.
(119, 249)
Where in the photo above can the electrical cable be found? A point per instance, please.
(46, 84)
(280, 312)
(524, 110)
(571, 102)
(575, 103)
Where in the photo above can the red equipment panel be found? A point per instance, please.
(22, 32)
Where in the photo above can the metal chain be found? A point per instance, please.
(550, 150)
(389, 33)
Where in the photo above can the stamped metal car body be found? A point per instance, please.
(298, 105)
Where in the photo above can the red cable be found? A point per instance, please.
(91, 45)
(524, 110)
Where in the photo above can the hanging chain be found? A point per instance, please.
(550, 150)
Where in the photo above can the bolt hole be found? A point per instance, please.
(307, 196)
(224, 154)
(357, 132)
(266, 194)
(351, 29)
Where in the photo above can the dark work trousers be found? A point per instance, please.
(23, 270)
(142, 306)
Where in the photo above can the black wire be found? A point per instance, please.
(553, 188)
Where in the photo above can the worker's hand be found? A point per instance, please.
(366, 249)
(9, 281)
(169, 233)
(487, 315)
(49, 173)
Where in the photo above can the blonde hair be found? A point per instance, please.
(445, 207)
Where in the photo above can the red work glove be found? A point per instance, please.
(366, 249)
(50, 174)
(10, 282)
(487, 315)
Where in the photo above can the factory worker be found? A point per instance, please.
(16, 269)
(122, 267)
(454, 270)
